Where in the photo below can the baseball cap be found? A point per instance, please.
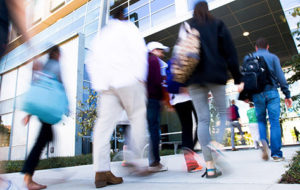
(156, 45)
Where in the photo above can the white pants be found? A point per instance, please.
(254, 131)
(111, 103)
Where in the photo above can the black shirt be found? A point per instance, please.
(217, 56)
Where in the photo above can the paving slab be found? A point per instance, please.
(247, 171)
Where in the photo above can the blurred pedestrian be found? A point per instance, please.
(182, 102)
(12, 11)
(296, 134)
(234, 122)
(117, 67)
(155, 96)
(268, 101)
(51, 68)
(217, 54)
(253, 125)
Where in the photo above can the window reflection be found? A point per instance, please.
(143, 24)
(157, 5)
(5, 127)
(139, 11)
(163, 15)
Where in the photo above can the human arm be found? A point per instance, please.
(280, 78)
(18, 16)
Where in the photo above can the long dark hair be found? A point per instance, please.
(201, 13)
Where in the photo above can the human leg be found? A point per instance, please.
(273, 107)
(44, 137)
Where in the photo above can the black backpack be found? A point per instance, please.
(255, 74)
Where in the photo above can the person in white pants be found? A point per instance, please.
(117, 66)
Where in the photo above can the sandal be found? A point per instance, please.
(217, 173)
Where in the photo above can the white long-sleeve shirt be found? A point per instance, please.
(118, 56)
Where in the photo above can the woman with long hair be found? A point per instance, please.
(218, 55)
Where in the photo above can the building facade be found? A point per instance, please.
(73, 24)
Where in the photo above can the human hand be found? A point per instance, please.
(241, 87)
(288, 102)
(26, 119)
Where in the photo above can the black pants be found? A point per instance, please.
(45, 136)
(185, 111)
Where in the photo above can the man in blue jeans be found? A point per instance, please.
(269, 101)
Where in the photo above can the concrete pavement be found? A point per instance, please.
(247, 172)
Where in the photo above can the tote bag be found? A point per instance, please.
(46, 99)
(187, 51)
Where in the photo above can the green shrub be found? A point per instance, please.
(59, 162)
(292, 175)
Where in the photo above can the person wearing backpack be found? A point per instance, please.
(268, 101)
(234, 117)
(218, 55)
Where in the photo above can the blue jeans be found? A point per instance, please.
(269, 100)
(153, 117)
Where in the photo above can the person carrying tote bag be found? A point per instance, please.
(47, 100)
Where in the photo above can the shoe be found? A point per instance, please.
(234, 149)
(265, 154)
(217, 173)
(191, 164)
(157, 168)
(106, 178)
(127, 164)
(278, 159)
(197, 169)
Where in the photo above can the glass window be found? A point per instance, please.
(115, 4)
(92, 16)
(55, 4)
(140, 12)
(37, 13)
(89, 39)
(5, 127)
(163, 15)
(8, 85)
(24, 78)
(85, 74)
(93, 4)
(135, 4)
(143, 24)
(156, 5)
(90, 28)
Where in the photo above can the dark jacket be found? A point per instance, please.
(218, 54)
(154, 79)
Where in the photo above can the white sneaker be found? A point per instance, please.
(158, 168)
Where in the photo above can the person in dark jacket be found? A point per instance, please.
(218, 54)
